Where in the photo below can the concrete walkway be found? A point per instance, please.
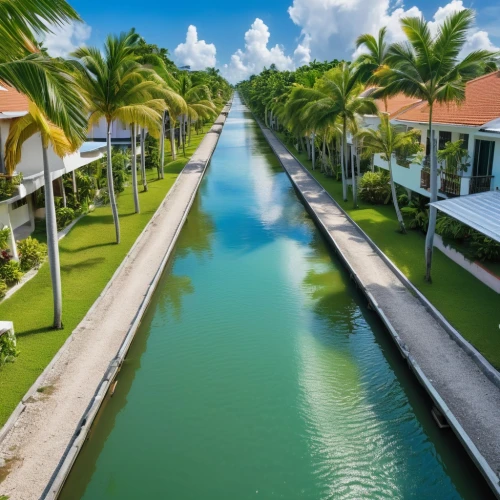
(41, 440)
(470, 400)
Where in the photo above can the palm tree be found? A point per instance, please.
(198, 101)
(428, 67)
(376, 57)
(117, 87)
(338, 94)
(20, 131)
(43, 80)
(386, 140)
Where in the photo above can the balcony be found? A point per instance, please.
(425, 179)
(450, 184)
(480, 184)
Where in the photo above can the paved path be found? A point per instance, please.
(472, 398)
(81, 373)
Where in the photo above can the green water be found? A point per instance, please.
(258, 372)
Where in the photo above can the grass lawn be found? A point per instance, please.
(89, 257)
(471, 307)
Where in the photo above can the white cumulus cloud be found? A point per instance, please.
(195, 53)
(256, 55)
(329, 28)
(66, 38)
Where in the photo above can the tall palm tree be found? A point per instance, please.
(20, 131)
(117, 87)
(198, 101)
(338, 94)
(428, 67)
(376, 57)
(386, 140)
(43, 80)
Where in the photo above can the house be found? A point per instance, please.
(476, 121)
(18, 211)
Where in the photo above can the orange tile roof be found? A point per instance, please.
(396, 104)
(11, 99)
(481, 105)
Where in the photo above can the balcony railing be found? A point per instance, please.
(480, 184)
(450, 184)
(425, 179)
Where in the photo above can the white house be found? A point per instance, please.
(476, 121)
(18, 212)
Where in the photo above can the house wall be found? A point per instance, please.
(118, 131)
(410, 177)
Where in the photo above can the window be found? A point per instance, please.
(465, 140)
(483, 157)
(19, 203)
(444, 137)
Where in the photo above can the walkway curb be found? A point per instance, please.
(476, 456)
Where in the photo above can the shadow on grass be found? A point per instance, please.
(83, 264)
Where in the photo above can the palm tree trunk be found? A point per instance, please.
(135, 187)
(429, 239)
(395, 199)
(265, 117)
(189, 131)
(111, 186)
(75, 189)
(344, 159)
(183, 135)
(308, 147)
(313, 150)
(353, 172)
(162, 147)
(172, 137)
(2, 164)
(143, 160)
(52, 240)
(63, 192)
(301, 142)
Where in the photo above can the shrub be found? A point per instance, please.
(31, 253)
(8, 350)
(485, 248)
(374, 187)
(10, 272)
(64, 216)
(3, 289)
(448, 227)
(4, 238)
(416, 214)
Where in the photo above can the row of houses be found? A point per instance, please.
(476, 122)
(19, 211)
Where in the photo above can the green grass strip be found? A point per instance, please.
(89, 257)
(469, 305)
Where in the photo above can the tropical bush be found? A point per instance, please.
(374, 187)
(31, 253)
(3, 289)
(8, 350)
(10, 272)
(64, 216)
(484, 248)
(152, 150)
(416, 214)
(448, 227)
(8, 186)
(4, 238)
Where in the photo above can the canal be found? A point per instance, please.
(258, 371)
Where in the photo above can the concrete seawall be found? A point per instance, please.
(44, 435)
(464, 390)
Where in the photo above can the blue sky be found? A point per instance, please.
(317, 28)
